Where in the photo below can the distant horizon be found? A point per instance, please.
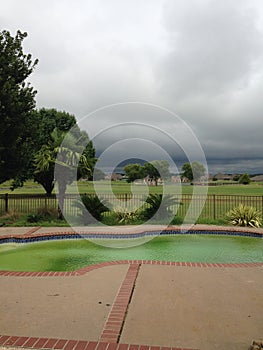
(214, 166)
(121, 170)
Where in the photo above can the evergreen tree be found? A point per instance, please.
(17, 99)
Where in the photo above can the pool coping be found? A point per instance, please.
(126, 232)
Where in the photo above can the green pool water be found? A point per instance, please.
(68, 255)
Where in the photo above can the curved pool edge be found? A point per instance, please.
(38, 233)
(88, 268)
(33, 235)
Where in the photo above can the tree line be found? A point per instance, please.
(158, 170)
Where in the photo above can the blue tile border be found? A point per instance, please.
(39, 238)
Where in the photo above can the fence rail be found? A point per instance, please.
(215, 206)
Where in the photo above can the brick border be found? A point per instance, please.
(86, 269)
(31, 231)
(67, 344)
(114, 324)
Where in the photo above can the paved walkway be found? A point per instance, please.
(129, 304)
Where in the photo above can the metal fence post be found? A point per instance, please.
(6, 202)
(214, 200)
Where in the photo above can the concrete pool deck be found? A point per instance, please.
(132, 305)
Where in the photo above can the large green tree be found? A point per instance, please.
(134, 172)
(42, 123)
(193, 171)
(157, 169)
(54, 125)
(17, 99)
(41, 138)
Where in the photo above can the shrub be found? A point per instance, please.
(244, 216)
(43, 214)
(34, 218)
(126, 217)
(47, 213)
(177, 220)
(95, 207)
(10, 217)
(244, 179)
(155, 201)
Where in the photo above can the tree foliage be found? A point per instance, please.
(187, 171)
(134, 172)
(17, 99)
(157, 169)
(49, 127)
(244, 179)
(65, 151)
(193, 171)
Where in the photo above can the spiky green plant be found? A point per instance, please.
(244, 215)
(155, 201)
(95, 206)
(126, 217)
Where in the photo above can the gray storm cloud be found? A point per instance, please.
(202, 59)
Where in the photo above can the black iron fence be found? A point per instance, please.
(214, 206)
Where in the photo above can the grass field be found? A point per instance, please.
(220, 199)
(118, 187)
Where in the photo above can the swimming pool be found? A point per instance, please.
(71, 254)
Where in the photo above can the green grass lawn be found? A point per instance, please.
(31, 187)
(214, 210)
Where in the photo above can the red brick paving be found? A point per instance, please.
(113, 326)
(86, 269)
(31, 231)
(21, 341)
(40, 343)
(50, 344)
(71, 344)
(60, 344)
(45, 343)
(11, 341)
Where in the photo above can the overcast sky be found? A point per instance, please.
(200, 59)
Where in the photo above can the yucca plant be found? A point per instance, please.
(244, 215)
(95, 206)
(126, 217)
